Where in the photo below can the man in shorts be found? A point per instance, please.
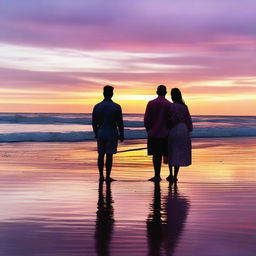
(156, 124)
(107, 122)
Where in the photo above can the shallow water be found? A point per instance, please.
(52, 204)
(62, 127)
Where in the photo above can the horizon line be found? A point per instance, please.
(123, 113)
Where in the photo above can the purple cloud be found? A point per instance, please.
(73, 45)
(128, 25)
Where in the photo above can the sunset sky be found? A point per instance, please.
(56, 55)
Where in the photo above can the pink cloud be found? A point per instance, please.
(127, 26)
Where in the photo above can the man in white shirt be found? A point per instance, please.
(107, 122)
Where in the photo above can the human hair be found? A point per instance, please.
(177, 96)
(108, 91)
(161, 90)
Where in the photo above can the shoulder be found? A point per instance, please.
(185, 107)
(97, 105)
(173, 105)
(178, 106)
(152, 102)
(115, 105)
(168, 102)
(101, 106)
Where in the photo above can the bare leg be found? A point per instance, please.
(157, 161)
(170, 177)
(101, 165)
(109, 161)
(176, 171)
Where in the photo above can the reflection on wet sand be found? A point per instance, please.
(154, 223)
(52, 205)
(105, 220)
(177, 208)
(166, 220)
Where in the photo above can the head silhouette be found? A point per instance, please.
(161, 90)
(108, 91)
(176, 96)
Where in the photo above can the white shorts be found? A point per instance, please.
(107, 146)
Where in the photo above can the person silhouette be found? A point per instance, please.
(179, 140)
(156, 124)
(176, 208)
(107, 123)
(166, 221)
(154, 223)
(105, 220)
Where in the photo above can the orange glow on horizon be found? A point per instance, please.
(199, 105)
(69, 80)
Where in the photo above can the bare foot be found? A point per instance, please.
(155, 179)
(109, 179)
(170, 178)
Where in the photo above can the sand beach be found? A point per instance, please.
(53, 204)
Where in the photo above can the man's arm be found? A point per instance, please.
(147, 117)
(120, 123)
(95, 122)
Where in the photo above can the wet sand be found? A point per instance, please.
(52, 204)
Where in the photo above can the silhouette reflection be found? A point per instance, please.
(165, 221)
(177, 210)
(105, 220)
(154, 223)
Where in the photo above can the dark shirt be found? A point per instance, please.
(107, 120)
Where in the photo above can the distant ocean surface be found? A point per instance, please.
(21, 127)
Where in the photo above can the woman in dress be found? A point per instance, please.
(179, 140)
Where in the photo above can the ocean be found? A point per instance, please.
(53, 127)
